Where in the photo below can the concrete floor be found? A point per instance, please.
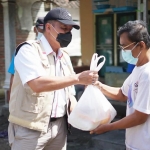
(80, 140)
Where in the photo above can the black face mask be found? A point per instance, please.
(64, 39)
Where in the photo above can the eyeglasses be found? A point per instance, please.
(121, 47)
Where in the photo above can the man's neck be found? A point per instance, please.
(145, 58)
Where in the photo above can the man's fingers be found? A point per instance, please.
(94, 131)
(101, 129)
(95, 72)
(93, 81)
(94, 77)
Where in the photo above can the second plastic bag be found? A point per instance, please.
(93, 108)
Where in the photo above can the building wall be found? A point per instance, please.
(87, 23)
(2, 61)
(87, 31)
(21, 35)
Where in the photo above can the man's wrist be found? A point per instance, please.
(75, 78)
(100, 86)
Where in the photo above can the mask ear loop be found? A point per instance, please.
(139, 52)
(134, 46)
(54, 29)
(52, 34)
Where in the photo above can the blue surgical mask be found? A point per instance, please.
(127, 56)
(39, 35)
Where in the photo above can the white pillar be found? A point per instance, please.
(9, 16)
(7, 48)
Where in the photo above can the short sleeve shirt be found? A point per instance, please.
(137, 88)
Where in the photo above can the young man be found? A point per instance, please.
(38, 29)
(135, 45)
(42, 87)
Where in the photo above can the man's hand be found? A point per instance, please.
(101, 129)
(98, 84)
(43, 84)
(88, 77)
(137, 118)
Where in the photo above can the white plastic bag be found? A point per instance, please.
(92, 108)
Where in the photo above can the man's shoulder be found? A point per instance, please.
(145, 73)
(31, 43)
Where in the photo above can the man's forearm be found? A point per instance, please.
(44, 84)
(132, 120)
(112, 92)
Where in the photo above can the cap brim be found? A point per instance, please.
(69, 22)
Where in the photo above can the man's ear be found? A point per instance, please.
(142, 45)
(35, 31)
(47, 26)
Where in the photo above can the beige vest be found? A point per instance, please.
(30, 109)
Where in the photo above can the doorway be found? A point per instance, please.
(104, 39)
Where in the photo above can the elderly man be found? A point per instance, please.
(42, 90)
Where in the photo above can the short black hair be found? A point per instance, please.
(52, 22)
(136, 30)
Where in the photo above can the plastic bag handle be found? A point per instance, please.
(101, 64)
(94, 62)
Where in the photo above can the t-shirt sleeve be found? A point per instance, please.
(11, 68)
(125, 86)
(28, 64)
(142, 101)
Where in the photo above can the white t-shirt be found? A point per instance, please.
(28, 64)
(137, 88)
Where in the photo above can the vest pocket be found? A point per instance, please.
(33, 102)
